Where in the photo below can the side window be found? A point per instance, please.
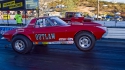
(42, 23)
(54, 22)
(47, 23)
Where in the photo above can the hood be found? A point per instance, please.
(91, 24)
(86, 23)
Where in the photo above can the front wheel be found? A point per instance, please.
(85, 41)
(21, 44)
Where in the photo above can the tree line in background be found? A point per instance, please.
(72, 5)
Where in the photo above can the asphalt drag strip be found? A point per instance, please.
(108, 54)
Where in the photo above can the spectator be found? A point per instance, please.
(18, 18)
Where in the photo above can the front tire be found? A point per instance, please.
(85, 41)
(21, 44)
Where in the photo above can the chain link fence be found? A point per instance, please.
(7, 18)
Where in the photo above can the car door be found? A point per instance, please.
(44, 31)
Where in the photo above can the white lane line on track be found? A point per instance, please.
(2, 38)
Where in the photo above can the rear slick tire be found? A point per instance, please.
(21, 44)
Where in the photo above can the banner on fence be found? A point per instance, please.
(12, 5)
(6, 16)
(18, 4)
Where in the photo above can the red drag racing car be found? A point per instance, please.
(53, 30)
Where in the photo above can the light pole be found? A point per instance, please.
(97, 9)
(61, 4)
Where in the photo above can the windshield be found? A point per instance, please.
(57, 21)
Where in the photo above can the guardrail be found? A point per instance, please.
(104, 23)
(112, 23)
(12, 21)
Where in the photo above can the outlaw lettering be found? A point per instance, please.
(45, 36)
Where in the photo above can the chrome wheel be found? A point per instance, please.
(84, 42)
(19, 45)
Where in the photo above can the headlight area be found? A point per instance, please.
(99, 31)
(102, 27)
(6, 36)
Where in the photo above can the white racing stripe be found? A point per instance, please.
(55, 42)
